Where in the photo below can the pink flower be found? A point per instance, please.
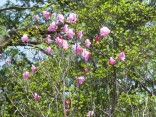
(36, 18)
(112, 61)
(72, 18)
(33, 69)
(66, 103)
(66, 111)
(48, 40)
(80, 80)
(37, 97)
(85, 54)
(87, 43)
(85, 70)
(46, 14)
(122, 56)
(104, 31)
(65, 28)
(59, 36)
(49, 50)
(25, 38)
(70, 33)
(90, 113)
(77, 49)
(79, 34)
(97, 38)
(52, 27)
(63, 43)
(60, 18)
(26, 75)
(58, 41)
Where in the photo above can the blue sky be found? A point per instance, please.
(2, 2)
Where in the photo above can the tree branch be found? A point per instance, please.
(5, 44)
(18, 8)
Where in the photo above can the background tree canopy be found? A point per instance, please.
(125, 89)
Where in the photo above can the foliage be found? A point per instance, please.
(124, 89)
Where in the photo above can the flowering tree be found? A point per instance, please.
(79, 64)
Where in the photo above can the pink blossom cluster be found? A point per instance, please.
(53, 27)
(83, 52)
(121, 56)
(81, 47)
(26, 74)
(72, 18)
(63, 43)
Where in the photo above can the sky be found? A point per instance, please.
(2, 2)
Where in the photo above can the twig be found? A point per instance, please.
(18, 8)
